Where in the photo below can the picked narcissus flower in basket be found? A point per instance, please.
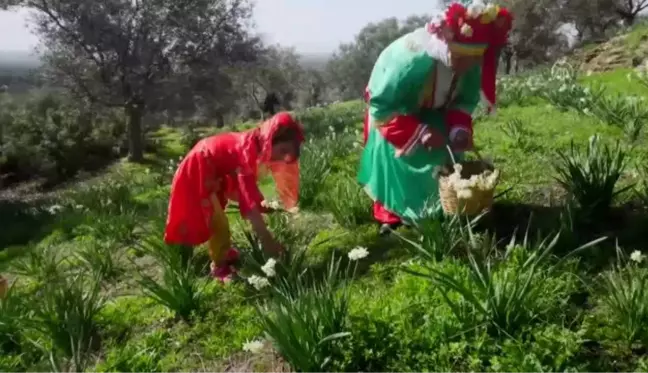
(467, 187)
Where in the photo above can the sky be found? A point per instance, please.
(311, 26)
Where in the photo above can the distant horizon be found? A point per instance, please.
(313, 27)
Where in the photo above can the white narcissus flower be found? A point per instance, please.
(466, 30)
(269, 267)
(253, 346)
(54, 209)
(637, 256)
(475, 9)
(258, 282)
(358, 253)
(275, 205)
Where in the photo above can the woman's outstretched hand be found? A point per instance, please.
(462, 141)
(261, 229)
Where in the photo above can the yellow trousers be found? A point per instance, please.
(220, 241)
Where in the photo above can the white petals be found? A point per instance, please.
(358, 253)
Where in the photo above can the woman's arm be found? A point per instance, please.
(261, 229)
(395, 87)
(251, 207)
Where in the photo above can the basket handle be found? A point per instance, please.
(474, 150)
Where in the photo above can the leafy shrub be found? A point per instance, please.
(319, 122)
(624, 298)
(12, 321)
(506, 295)
(41, 264)
(590, 177)
(51, 137)
(67, 316)
(437, 238)
(348, 203)
(315, 166)
(287, 274)
(180, 288)
(304, 328)
(99, 259)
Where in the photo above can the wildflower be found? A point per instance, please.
(358, 253)
(269, 267)
(258, 282)
(272, 205)
(637, 256)
(254, 347)
(466, 30)
(475, 9)
(54, 209)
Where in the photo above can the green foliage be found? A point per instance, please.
(67, 318)
(348, 203)
(624, 298)
(591, 176)
(178, 288)
(55, 138)
(304, 328)
(505, 297)
(12, 321)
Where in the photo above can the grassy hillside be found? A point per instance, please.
(95, 289)
(624, 51)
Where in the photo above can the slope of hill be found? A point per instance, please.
(625, 51)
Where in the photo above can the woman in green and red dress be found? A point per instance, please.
(421, 95)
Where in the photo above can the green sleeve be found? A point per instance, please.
(397, 80)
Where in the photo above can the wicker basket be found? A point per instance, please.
(480, 200)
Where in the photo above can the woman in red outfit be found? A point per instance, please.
(226, 167)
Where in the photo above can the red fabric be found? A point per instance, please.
(227, 165)
(492, 33)
(286, 177)
(489, 77)
(399, 131)
(383, 216)
(458, 119)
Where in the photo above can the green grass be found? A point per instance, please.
(619, 81)
(483, 302)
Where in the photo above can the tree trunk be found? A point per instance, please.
(220, 120)
(508, 62)
(135, 135)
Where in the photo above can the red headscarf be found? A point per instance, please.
(285, 175)
(478, 30)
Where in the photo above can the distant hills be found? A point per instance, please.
(18, 60)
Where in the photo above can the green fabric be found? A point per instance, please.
(406, 185)
(397, 79)
(469, 91)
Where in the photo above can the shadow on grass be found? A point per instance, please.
(21, 224)
(626, 224)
